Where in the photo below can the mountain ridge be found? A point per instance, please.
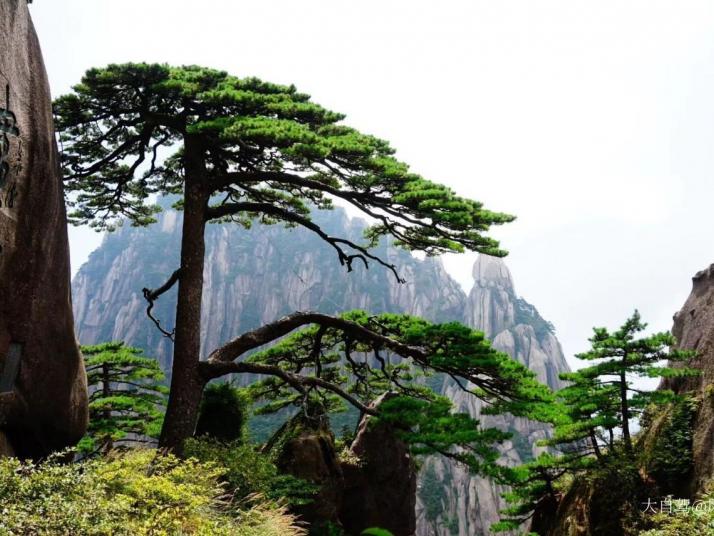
(255, 276)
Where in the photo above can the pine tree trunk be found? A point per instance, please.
(624, 407)
(106, 393)
(186, 382)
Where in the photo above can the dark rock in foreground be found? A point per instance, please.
(44, 393)
(372, 484)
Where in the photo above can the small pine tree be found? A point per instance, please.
(593, 412)
(127, 400)
(621, 357)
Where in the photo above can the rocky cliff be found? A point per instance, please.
(694, 330)
(43, 391)
(258, 275)
(469, 505)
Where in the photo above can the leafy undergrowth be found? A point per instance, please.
(135, 493)
(686, 519)
(249, 472)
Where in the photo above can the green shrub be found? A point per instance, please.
(667, 446)
(137, 493)
(376, 532)
(249, 472)
(224, 412)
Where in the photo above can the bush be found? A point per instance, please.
(667, 445)
(697, 519)
(224, 412)
(137, 493)
(249, 472)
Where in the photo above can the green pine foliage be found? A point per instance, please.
(127, 397)
(591, 417)
(267, 147)
(365, 369)
(224, 412)
(621, 357)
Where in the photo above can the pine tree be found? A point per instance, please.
(621, 358)
(246, 151)
(589, 414)
(127, 399)
(592, 413)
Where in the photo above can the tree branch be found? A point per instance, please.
(152, 295)
(228, 209)
(215, 369)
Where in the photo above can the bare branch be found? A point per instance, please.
(152, 295)
(346, 259)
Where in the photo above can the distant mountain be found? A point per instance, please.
(450, 500)
(257, 275)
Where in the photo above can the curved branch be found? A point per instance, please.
(215, 369)
(490, 388)
(152, 295)
(228, 209)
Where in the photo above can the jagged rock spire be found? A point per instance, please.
(492, 272)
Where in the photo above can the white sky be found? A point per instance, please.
(593, 121)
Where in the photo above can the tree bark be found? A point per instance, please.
(106, 393)
(186, 381)
(624, 406)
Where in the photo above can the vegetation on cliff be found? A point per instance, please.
(592, 437)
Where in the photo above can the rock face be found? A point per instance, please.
(44, 400)
(694, 330)
(251, 277)
(307, 451)
(451, 501)
(255, 276)
(379, 491)
(373, 486)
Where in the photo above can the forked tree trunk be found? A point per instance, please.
(186, 382)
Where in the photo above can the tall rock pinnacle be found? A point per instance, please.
(43, 388)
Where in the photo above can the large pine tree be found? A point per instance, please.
(244, 150)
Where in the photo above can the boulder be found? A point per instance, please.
(371, 484)
(305, 448)
(380, 481)
(43, 391)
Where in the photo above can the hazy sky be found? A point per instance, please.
(593, 121)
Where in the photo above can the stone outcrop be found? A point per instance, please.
(44, 399)
(372, 485)
(306, 449)
(380, 486)
(254, 276)
(468, 504)
(694, 330)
